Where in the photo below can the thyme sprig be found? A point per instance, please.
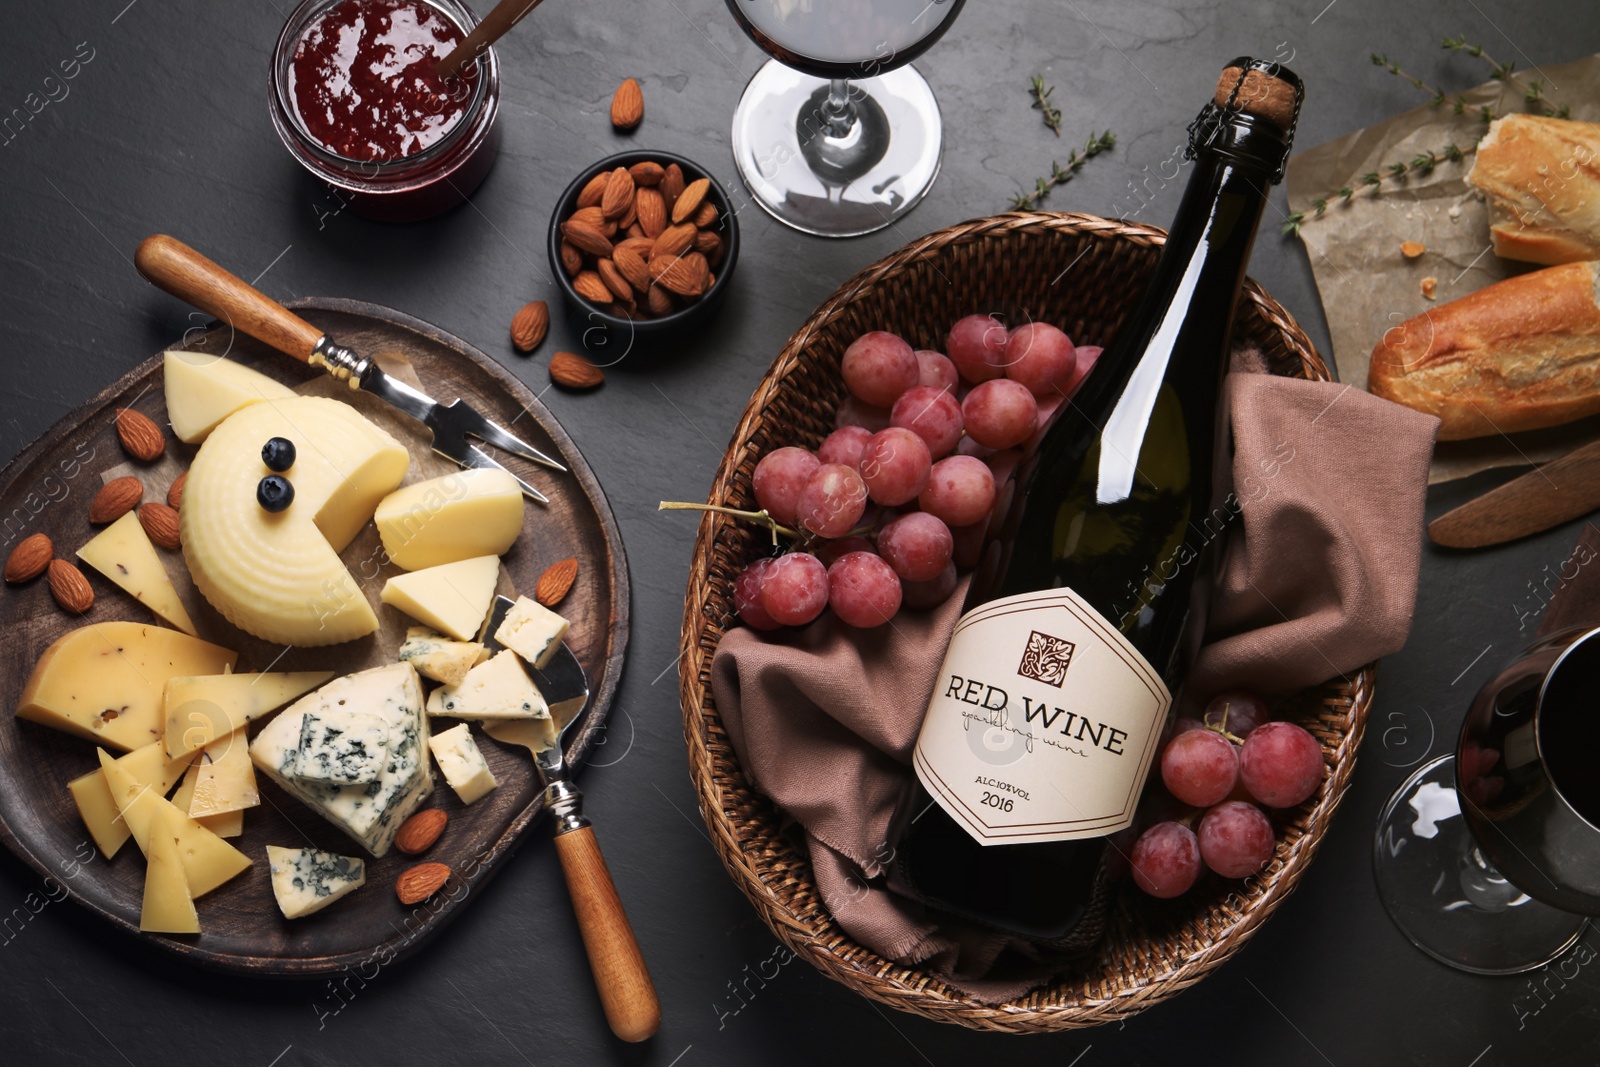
(1061, 175)
(1041, 103)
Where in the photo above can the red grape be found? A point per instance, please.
(1236, 711)
(1182, 726)
(1087, 356)
(1000, 413)
(917, 546)
(1281, 764)
(968, 447)
(969, 542)
(829, 551)
(960, 491)
(894, 466)
(1040, 357)
(933, 414)
(795, 589)
(1166, 860)
(977, 346)
(844, 445)
(853, 412)
(935, 369)
(833, 500)
(780, 478)
(862, 589)
(1235, 839)
(747, 596)
(932, 593)
(878, 367)
(1200, 767)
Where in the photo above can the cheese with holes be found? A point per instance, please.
(123, 553)
(105, 682)
(498, 689)
(462, 763)
(467, 513)
(149, 766)
(372, 812)
(436, 656)
(226, 779)
(452, 599)
(350, 749)
(305, 880)
(168, 908)
(280, 577)
(208, 860)
(532, 631)
(202, 390)
(202, 709)
(228, 824)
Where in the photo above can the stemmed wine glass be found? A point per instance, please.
(1489, 860)
(837, 135)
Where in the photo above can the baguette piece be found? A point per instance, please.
(1521, 354)
(1541, 178)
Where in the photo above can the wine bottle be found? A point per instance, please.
(1078, 625)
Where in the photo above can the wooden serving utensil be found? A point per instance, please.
(495, 25)
(1533, 502)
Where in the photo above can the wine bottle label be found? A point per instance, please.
(1043, 722)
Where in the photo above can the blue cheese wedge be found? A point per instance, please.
(306, 881)
(498, 689)
(350, 749)
(532, 631)
(462, 763)
(370, 812)
(438, 657)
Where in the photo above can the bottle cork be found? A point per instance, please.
(1258, 93)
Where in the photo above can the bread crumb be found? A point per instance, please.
(1412, 249)
(1429, 286)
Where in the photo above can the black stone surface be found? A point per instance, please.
(165, 128)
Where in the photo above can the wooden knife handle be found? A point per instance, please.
(169, 264)
(626, 992)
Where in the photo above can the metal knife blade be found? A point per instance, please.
(1543, 498)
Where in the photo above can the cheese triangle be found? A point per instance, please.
(168, 907)
(203, 389)
(148, 766)
(208, 860)
(453, 598)
(123, 553)
(228, 824)
(203, 709)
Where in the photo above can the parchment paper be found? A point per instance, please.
(1367, 286)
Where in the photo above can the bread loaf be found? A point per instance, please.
(1541, 177)
(1517, 355)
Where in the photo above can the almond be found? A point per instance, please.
(614, 280)
(639, 246)
(672, 184)
(139, 435)
(529, 325)
(618, 195)
(175, 491)
(592, 192)
(630, 216)
(591, 288)
(571, 259)
(684, 275)
(418, 883)
(592, 215)
(646, 173)
(554, 583)
(1412, 249)
(706, 216)
(418, 833)
(29, 559)
(674, 241)
(652, 210)
(70, 588)
(586, 238)
(115, 499)
(160, 524)
(689, 201)
(635, 230)
(574, 372)
(707, 243)
(627, 105)
(632, 266)
(659, 302)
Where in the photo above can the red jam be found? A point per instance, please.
(363, 80)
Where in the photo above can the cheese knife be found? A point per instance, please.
(1548, 496)
(620, 975)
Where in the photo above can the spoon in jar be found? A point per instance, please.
(495, 25)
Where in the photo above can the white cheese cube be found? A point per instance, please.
(436, 656)
(349, 749)
(498, 689)
(462, 763)
(532, 631)
(305, 880)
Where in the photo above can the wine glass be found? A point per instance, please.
(1489, 860)
(837, 135)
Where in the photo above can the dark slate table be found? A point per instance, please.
(165, 128)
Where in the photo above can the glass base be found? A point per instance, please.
(1446, 897)
(836, 186)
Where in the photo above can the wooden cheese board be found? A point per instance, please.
(47, 488)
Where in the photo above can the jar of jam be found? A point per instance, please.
(356, 100)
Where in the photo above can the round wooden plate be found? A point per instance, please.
(48, 488)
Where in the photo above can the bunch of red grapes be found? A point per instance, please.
(904, 491)
(1222, 770)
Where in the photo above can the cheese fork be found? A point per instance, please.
(169, 264)
(626, 991)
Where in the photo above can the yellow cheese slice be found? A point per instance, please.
(202, 390)
(149, 766)
(168, 907)
(443, 520)
(123, 553)
(453, 599)
(228, 824)
(200, 710)
(208, 860)
(105, 681)
(226, 780)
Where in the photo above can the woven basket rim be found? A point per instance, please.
(810, 931)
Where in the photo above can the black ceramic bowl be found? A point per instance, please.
(616, 327)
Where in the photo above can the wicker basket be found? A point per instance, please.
(1083, 273)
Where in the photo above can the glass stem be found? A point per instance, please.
(840, 110)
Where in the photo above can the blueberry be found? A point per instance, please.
(274, 493)
(278, 454)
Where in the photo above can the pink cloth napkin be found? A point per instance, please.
(1319, 579)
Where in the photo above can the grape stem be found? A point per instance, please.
(1222, 727)
(761, 517)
